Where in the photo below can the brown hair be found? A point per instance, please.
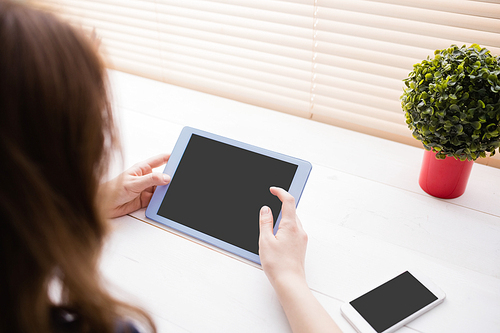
(56, 137)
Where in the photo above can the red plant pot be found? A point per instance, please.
(446, 178)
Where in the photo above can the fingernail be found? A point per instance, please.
(264, 210)
(166, 177)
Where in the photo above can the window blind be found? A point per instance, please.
(336, 61)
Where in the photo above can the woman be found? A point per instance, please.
(56, 140)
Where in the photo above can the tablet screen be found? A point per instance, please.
(218, 189)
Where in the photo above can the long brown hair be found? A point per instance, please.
(56, 137)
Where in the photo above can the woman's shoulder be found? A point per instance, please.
(65, 320)
(123, 326)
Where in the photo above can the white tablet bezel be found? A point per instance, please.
(362, 326)
(296, 187)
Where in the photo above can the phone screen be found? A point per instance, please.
(393, 301)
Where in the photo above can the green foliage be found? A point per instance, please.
(452, 102)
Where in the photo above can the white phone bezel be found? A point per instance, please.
(362, 326)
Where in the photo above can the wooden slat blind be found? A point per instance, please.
(338, 61)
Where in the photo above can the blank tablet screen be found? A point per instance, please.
(218, 189)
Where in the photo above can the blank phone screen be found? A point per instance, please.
(393, 301)
(218, 189)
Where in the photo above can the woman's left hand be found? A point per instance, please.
(134, 188)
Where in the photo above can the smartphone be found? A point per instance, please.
(393, 304)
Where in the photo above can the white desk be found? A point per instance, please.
(366, 217)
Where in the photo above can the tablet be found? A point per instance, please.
(218, 187)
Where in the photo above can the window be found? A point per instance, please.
(339, 61)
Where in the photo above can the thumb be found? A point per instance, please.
(266, 221)
(153, 179)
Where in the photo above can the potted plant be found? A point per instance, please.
(452, 105)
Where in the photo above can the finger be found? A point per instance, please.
(266, 221)
(146, 198)
(299, 223)
(150, 189)
(141, 183)
(288, 203)
(154, 162)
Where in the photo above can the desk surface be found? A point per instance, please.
(366, 217)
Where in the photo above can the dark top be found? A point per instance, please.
(67, 321)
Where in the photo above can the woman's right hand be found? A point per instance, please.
(282, 255)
